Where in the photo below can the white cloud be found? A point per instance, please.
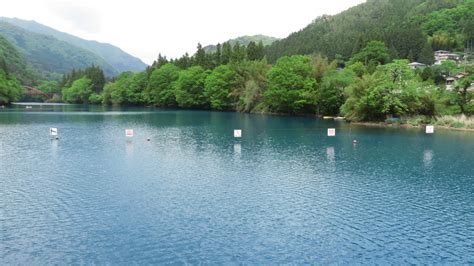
(146, 28)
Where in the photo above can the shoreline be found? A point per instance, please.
(385, 125)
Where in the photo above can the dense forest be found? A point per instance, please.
(411, 29)
(353, 64)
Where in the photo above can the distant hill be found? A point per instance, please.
(113, 55)
(244, 40)
(50, 56)
(13, 62)
(401, 24)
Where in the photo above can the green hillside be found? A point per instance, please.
(13, 63)
(50, 56)
(407, 27)
(244, 40)
(113, 55)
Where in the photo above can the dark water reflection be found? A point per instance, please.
(283, 193)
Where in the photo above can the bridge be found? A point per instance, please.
(32, 91)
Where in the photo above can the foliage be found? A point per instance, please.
(375, 53)
(160, 90)
(291, 86)
(218, 87)
(10, 88)
(79, 92)
(190, 88)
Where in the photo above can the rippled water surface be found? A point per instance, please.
(284, 193)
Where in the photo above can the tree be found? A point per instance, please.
(291, 86)
(10, 88)
(426, 55)
(375, 52)
(189, 88)
(49, 86)
(160, 90)
(226, 53)
(79, 92)
(218, 87)
(464, 96)
(238, 53)
(331, 92)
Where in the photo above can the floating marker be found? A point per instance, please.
(128, 133)
(237, 133)
(429, 129)
(53, 131)
(147, 139)
(331, 132)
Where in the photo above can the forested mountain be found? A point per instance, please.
(113, 55)
(50, 56)
(244, 40)
(12, 62)
(410, 28)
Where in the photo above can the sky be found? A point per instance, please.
(145, 28)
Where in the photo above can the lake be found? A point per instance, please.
(283, 193)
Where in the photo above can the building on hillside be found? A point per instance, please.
(441, 56)
(451, 80)
(416, 65)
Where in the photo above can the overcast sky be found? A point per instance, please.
(145, 28)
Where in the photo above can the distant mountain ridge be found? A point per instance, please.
(114, 56)
(50, 56)
(244, 40)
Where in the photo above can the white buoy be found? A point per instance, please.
(147, 139)
(331, 132)
(237, 133)
(53, 132)
(429, 129)
(128, 133)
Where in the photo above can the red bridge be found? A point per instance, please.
(32, 91)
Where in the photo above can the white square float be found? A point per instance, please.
(53, 131)
(331, 132)
(429, 129)
(237, 133)
(128, 133)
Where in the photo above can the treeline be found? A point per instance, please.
(411, 29)
(369, 86)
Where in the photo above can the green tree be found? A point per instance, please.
(291, 86)
(189, 88)
(375, 52)
(160, 90)
(218, 87)
(10, 88)
(463, 95)
(79, 92)
(331, 92)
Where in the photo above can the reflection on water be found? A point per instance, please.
(427, 158)
(330, 154)
(238, 148)
(194, 194)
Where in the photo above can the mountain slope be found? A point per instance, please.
(113, 55)
(50, 56)
(244, 40)
(12, 61)
(396, 22)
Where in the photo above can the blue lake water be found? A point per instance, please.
(283, 193)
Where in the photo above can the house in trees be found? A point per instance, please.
(416, 65)
(451, 80)
(442, 55)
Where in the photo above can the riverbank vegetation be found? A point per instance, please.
(372, 82)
